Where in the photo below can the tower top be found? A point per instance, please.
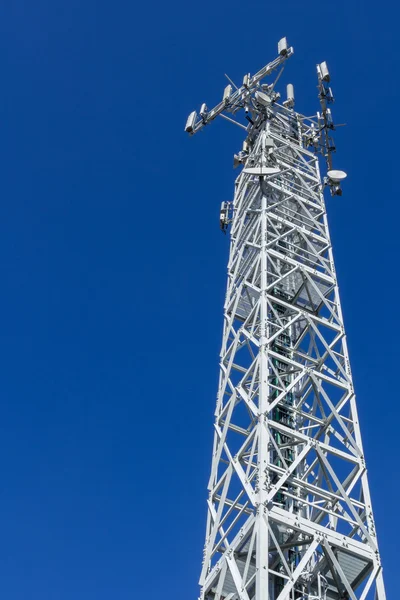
(260, 102)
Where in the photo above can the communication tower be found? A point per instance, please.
(289, 507)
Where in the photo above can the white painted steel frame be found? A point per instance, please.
(289, 507)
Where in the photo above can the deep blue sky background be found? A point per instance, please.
(112, 271)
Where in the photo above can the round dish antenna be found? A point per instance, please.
(336, 176)
(262, 171)
(263, 98)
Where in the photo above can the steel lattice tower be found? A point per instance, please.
(289, 507)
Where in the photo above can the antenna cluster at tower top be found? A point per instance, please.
(258, 100)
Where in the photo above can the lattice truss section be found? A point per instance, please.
(289, 509)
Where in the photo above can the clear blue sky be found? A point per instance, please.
(112, 271)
